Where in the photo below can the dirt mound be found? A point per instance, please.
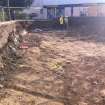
(55, 70)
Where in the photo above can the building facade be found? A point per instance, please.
(74, 10)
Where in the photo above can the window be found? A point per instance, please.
(41, 11)
(59, 12)
(51, 13)
(83, 11)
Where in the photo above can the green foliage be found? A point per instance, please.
(9, 13)
(20, 15)
(3, 2)
(16, 3)
(3, 18)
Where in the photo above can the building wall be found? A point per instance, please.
(45, 13)
(101, 10)
(67, 11)
(93, 11)
(83, 11)
(76, 11)
(96, 10)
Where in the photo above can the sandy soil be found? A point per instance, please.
(58, 70)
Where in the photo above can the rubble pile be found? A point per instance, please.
(10, 55)
(51, 69)
(10, 52)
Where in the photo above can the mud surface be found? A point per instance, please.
(56, 69)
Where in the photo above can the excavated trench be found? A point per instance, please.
(50, 68)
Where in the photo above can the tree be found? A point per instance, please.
(20, 3)
(10, 13)
(16, 3)
(3, 2)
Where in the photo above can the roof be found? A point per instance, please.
(70, 2)
(73, 5)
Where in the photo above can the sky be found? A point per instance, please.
(60, 2)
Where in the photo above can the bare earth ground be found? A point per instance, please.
(58, 71)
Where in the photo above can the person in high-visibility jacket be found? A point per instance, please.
(61, 20)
